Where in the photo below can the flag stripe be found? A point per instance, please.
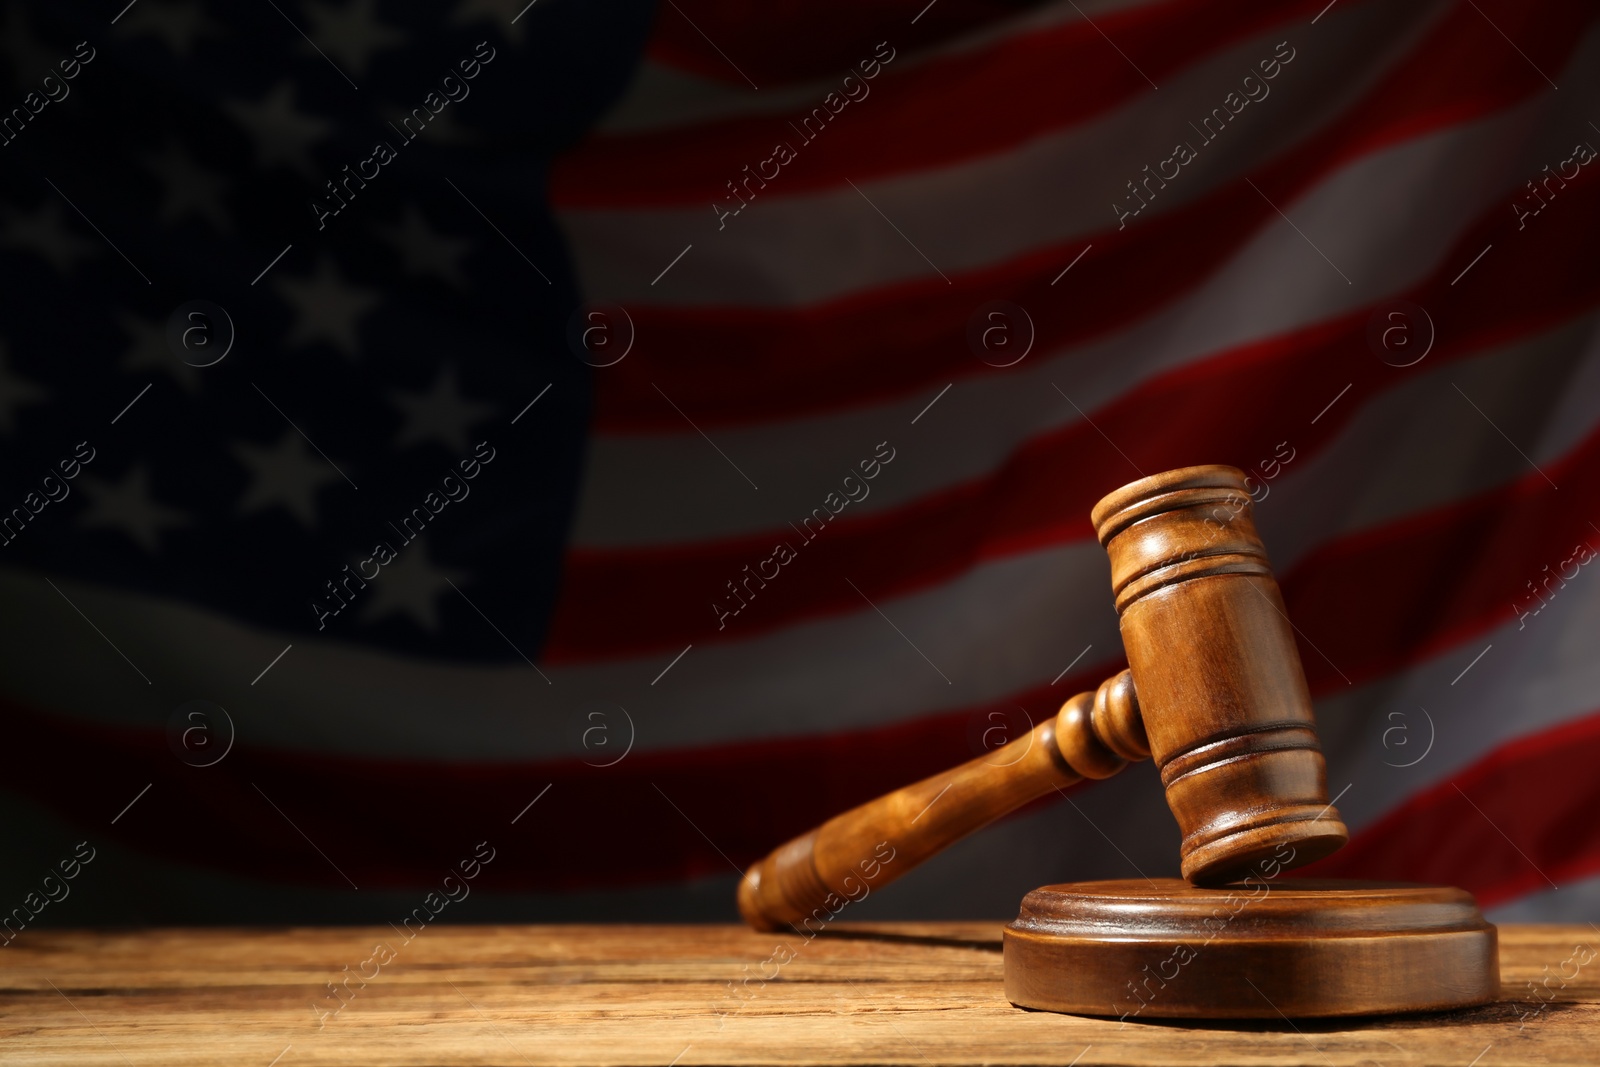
(690, 165)
(1435, 575)
(800, 40)
(1040, 496)
(895, 340)
(871, 677)
(792, 250)
(871, 673)
(346, 807)
(1518, 821)
(669, 486)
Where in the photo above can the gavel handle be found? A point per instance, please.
(809, 880)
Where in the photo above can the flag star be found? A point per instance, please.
(499, 12)
(42, 232)
(128, 506)
(410, 584)
(282, 135)
(30, 60)
(14, 393)
(440, 129)
(150, 351)
(176, 24)
(442, 414)
(190, 188)
(350, 32)
(327, 308)
(425, 250)
(287, 474)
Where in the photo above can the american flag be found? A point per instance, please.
(643, 432)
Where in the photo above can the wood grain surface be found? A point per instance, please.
(917, 994)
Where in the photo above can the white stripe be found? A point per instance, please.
(790, 248)
(1003, 627)
(1548, 676)
(819, 676)
(1535, 678)
(642, 489)
(1576, 902)
(1418, 446)
(1123, 826)
(662, 488)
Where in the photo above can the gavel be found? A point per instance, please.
(1214, 693)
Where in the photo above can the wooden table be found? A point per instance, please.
(921, 994)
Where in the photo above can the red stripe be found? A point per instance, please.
(398, 823)
(606, 827)
(601, 826)
(1374, 602)
(748, 366)
(790, 40)
(1042, 495)
(1067, 72)
(1512, 823)
(1378, 601)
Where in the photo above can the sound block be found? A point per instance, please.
(1260, 949)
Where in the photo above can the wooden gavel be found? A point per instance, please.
(1214, 691)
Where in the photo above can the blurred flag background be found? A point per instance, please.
(684, 426)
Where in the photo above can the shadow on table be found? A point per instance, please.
(897, 937)
(1501, 1012)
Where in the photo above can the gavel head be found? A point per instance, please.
(1220, 690)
